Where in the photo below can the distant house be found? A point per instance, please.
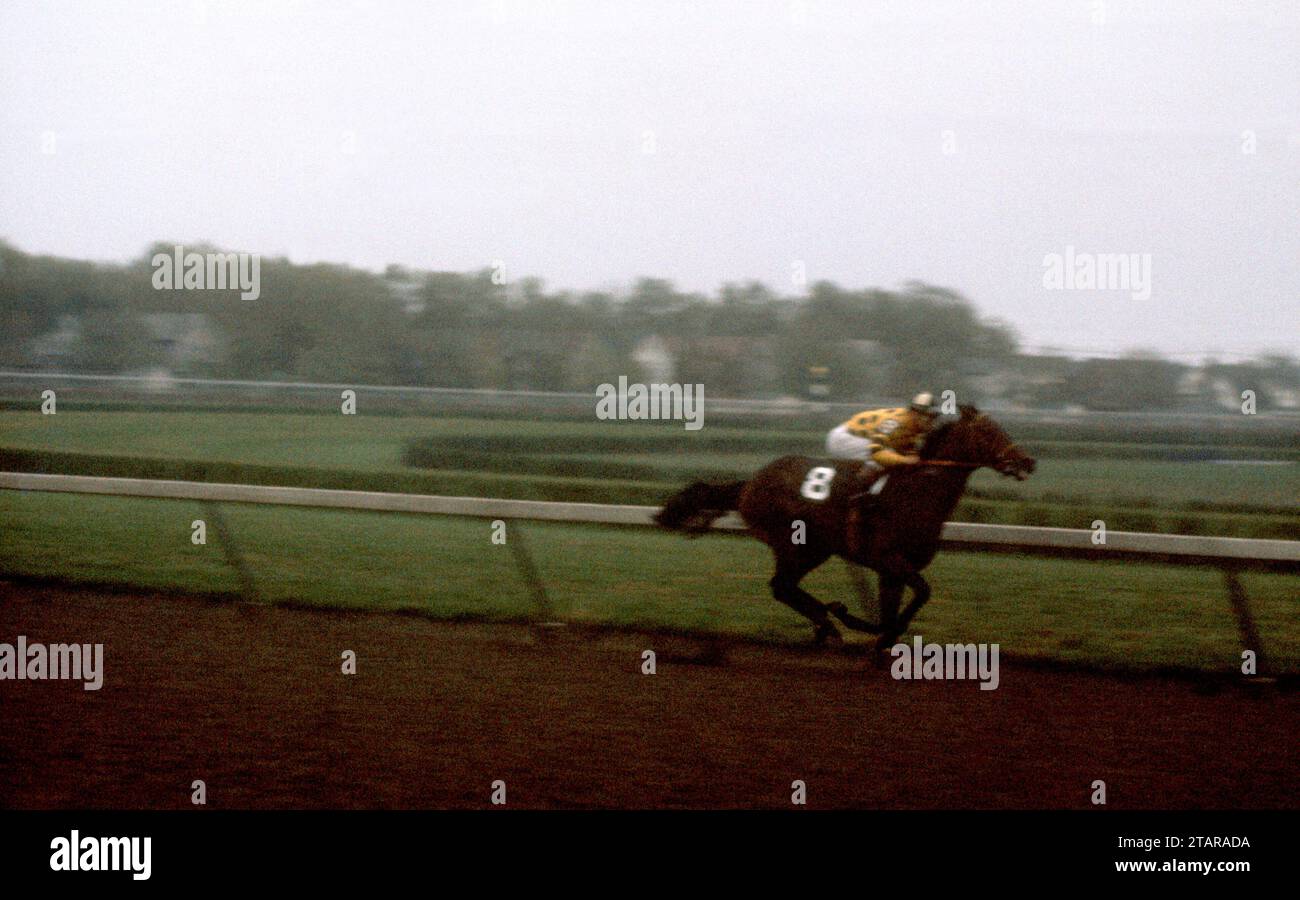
(1283, 396)
(1039, 381)
(1223, 392)
(163, 342)
(56, 349)
(544, 359)
(1202, 387)
(406, 287)
(731, 365)
(1221, 386)
(993, 383)
(658, 363)
(184, 340)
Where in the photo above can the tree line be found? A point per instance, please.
(325, 322)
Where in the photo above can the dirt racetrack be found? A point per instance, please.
(252, 701)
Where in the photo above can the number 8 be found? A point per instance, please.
(817, 486)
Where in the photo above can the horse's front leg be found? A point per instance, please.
(920, 594)
(891, 594)
(891, 597)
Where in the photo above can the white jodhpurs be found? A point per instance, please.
(843, 445)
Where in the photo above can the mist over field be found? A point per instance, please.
(594, 144)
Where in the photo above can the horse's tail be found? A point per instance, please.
(694, 508)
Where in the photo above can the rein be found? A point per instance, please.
(949, 462)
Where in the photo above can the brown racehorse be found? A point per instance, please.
(808, 510)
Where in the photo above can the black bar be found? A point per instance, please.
(442, 849)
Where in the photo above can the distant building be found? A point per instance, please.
(658, 363)
(1221, 385)
(184, 341)
(1039, 381)
(1283, 396)
(56, 349)
(406, 287)
(732, 365)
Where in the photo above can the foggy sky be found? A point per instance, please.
(589, 144)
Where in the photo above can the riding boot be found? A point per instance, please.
(867, 503)
(866, 478)
(865, 499)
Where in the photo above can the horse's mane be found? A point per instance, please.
(939, 437)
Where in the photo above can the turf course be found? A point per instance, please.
(626, 463)
(1108, 615)
(1120, 616)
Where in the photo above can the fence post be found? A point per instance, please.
(1245, 621)
(524, 560)
(247, 586)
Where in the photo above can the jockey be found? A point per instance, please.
(882, 438)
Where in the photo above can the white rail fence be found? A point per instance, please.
(1230, 555)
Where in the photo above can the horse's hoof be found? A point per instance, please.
(827, 632)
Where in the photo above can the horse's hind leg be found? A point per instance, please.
(841, 612)
(790, 570)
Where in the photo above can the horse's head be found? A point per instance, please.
(976, 439)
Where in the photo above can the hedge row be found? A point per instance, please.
(1254, 432)
(424, 451)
